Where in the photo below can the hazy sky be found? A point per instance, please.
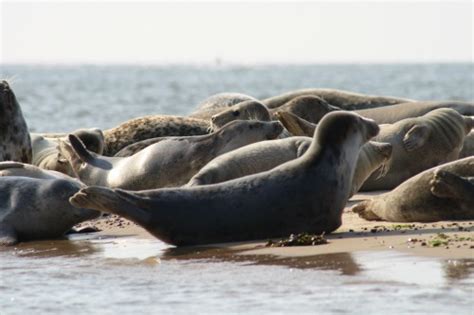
(145, 32)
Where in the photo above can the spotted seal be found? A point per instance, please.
(171, 162)
(265, 155)
(342, 99)
(15, 142)
(307, 194)
(37, 208)
(147, 127)
(444, 192)
(46, 154)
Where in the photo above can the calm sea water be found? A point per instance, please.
(128, 275)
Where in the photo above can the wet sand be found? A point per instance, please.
(444, 239)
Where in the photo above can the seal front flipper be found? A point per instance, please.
(416, 137)
(297, 126)
(448, 185)
(362, 209)
(8, 235)
(111, 201)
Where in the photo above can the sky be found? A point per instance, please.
(235, 32)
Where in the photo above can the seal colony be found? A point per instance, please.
(222, 175)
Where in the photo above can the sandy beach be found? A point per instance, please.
(443, 239)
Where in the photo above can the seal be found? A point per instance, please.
(308, 107)
(265, 155)
(32, 171)
(342, 99)
(46, 154)
(419, 144)
(218, 102)
(32, 208)
(295, 125)
(443, 192)
(307, 194)
(171, 162)
(468, 147)
(15, 142)
(147, 127)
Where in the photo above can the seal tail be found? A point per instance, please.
(362, 209)
(108, 200)
(296, 125)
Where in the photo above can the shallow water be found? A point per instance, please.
(128, 275)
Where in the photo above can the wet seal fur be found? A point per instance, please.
(444, 192)
(419, 144)
(217, 103)
(307, 194)
(168, 163)
(263, 156)
(38, 208)
(343, 99)
(15, 142)
(147, 127)
(46, 154)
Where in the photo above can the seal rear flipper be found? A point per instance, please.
(448, 185)
(362, 209)
(107, 200)
(416, 137)
(296, 125)
(8, 236)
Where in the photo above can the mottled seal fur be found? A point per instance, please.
(217, 103)
(311, 108)
(342, 99)
(171, 162)
(46, 154)
(32, 208)
(147, 127)
(263, 156)
(419, 144)
(307, 194)
(444, 192)
(15, 142)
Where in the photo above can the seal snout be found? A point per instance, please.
(372, 128)
(277, 130)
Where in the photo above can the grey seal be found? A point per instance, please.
(342, 99)
(217, 103)
(153, 126)
(307, 194)
(444, 192)
(265, 155)
(27, 170)
(419, 144)
(171, 162)
(311, 108)
(33, 208)
(15, 142)
(46, 154)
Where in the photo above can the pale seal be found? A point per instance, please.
(168, 163)
(263, 156)
(444, 192)
(311, 108)
(46, 154)
(32, 208)
(342, 99)
(419, 144)
(217, 103)
(147, 127)
(307, 194)
(15, 143)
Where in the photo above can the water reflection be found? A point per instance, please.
(459, 269)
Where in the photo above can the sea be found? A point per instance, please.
(86, 274)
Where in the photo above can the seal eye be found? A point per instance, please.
(236, 113)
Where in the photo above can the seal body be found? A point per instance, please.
(217, 103)
(342, 99)
(468, 147)
(170, 162)
(306, 194)
(419, 144)
(444, 192)
(15, 142)
(32, 208)
(151, 127)
(46, 154)
(28, 170)
(262, 156)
